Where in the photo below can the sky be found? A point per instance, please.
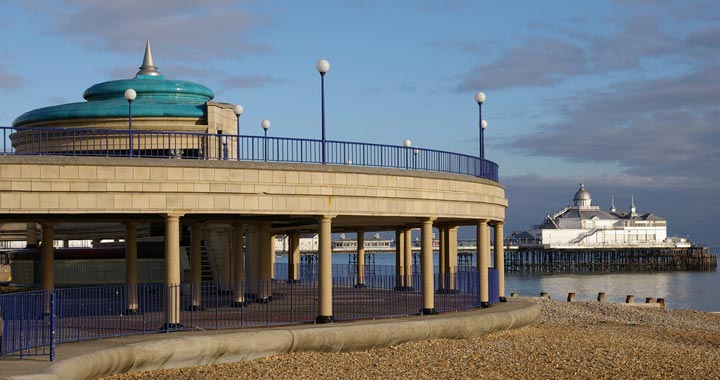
(620, 95)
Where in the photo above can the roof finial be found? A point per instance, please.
(612, 203)
(148, 66)
(633, 209)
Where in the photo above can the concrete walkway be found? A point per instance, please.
(96, 358)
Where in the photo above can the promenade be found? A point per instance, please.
(91, 359)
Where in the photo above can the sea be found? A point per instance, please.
(681, 290)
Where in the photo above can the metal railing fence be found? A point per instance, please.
(33, 322)
(205, 146)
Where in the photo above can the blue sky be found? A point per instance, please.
(622, 95)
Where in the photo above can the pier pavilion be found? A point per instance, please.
(171, 156)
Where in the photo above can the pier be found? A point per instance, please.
(579, 260)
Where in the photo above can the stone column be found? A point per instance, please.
(195, 264)
(172, 272)
(47, 257)
(500, 259)
(264, 264)
(239, 265)
(400, 263)
(452, 252)
(271, 248)
(31, 233)
(426, 268)
(408, 259)
(483, 261)
(325, 314)
(360, 259)
(131, 267)
(442, 260)
(294, 258)
(251, 263)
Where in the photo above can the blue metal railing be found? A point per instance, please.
(33, 322)
(188, 145)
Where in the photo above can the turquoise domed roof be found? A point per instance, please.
(156, 97)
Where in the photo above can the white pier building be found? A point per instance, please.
(587, 226)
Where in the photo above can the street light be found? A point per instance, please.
(238, 109)
(265, 124)
(415, 152)
(480, 99)
(130, 95)
(322, 67)
(406, 144)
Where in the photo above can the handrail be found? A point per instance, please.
(208, 146)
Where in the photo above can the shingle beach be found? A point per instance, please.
(583, 340)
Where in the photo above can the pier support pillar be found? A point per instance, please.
(172, 271)
(500, 259)
(426, 267)
(293, 258)
(360, 259)
(400, 278)
(239, 265)
(131, 267)
(325, 271)
(483, 261)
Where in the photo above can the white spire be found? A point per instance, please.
(612, 203)
(148, 66)
(633, 209)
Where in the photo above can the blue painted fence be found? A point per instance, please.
(33, 322)
(186, 145)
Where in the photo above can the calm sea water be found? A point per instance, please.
(681, 290)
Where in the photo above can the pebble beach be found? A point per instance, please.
(579, 340)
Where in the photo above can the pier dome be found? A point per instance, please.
(582, 197)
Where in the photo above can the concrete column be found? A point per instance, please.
(407, 247)
(264, 272)
(360, 259)
(294, 258)
(239, 265)
(31, 233)
(426, 268)
(251, 263)
(325, 272)
(271, 256)
(131, 267)
(500, 259)
(442, 259)
(483, 261)
(172, 272)
(400, 278)
(47, 257)
(195, 264)
(452, 252)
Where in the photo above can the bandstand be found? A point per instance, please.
(172, 157)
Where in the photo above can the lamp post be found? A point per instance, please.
(238, 109)
(322, 67)
(415, 152)
(265, 124)
(480, 99)
(130, 95)
(406, 144)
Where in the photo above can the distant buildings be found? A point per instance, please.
(586, 225)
